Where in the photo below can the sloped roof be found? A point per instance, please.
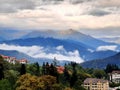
(94, 80)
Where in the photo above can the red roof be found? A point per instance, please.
(60, 69)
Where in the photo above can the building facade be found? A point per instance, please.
(115, 76)
(13, 60)
(96, 84)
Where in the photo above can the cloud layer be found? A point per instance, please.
(105, 48)
(41, 52)
(59, 14)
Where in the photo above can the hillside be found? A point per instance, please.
(101, 63)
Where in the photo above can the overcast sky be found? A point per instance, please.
(83, 15)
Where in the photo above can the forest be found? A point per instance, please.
(49, 76)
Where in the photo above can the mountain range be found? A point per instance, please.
(102, 63)
(88, 48)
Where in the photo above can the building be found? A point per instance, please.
(13, 60)
(9, 59)
(115, 76)
(60, 69)
(96, 84)
(23, 61)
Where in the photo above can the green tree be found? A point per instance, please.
(1, 68)
(23, 69)
(74, 75)
(33, 69)
(111, 67)
(12, 77)
(99, 73)
(37, 69)
(47, 69)
(5, 85)
(66, 75)
(43, 69)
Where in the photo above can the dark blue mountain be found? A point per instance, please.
(102, 63)
(69, 45)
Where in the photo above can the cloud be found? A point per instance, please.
(109, 3)
(58, 14)
(42, 52)
(98, 12)
(10, 6)
(105, 48)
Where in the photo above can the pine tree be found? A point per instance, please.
(43, 69)
(37, 69)
(23, 69)
(1, 68)
(66, 74)
(47, 68)
(74, 75)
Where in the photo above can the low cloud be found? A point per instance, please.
(42, 52)
(105, 48)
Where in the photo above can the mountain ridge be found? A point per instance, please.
(102, 63)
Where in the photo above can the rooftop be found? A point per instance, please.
(94, 80)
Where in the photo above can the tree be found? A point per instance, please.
(111, 67)
(47, 68)
(99, 73)
(66, 74)
(74, 75)
(31, 82)
(37, 69)
(27, 82)
(55, 61)
(1, 68)
(33, 69)
(43, 69)
(23, 69)
(5, 85)
(11, 76)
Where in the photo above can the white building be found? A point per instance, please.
(115, 76)
(9, 59)
(96, 84)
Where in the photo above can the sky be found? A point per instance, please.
(89, 16)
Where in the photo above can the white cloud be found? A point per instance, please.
(41, 52)
(64, 15)
(91, 50)
(109, 47)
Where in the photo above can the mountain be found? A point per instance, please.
(10, 34)
(70, 35)
(2, 39)
(69, 45)
(101, 63)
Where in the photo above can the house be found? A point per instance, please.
(9, 59)
(13, 60)
(23, 61)
(60, 69)
(115, 76)
(96, 84)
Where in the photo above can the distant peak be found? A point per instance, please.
(70, 31)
